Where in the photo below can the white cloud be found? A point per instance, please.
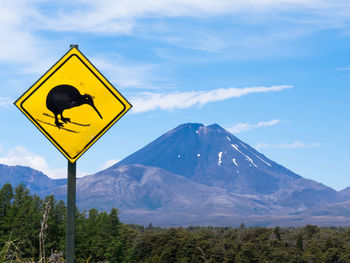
(129, 75)
(79, 174)
(17, 43)
(119, 16)
(26, 21)
(293, 145)
(5, 101)
(181, 100)
(21, 156)
(109, 163)
(343, 69)
(262, 145)
(240, 127)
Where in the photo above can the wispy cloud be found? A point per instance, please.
(343, 69)
(292, 145)
(135, 18)
(5, 101)
(120, 16)
(244, 126)
(23, 20)
(109, 163)
(15, 18)
(21, 156)
(27, 21)
(181, 100)
(130, 75)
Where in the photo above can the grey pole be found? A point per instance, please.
(71, 193)
(71, 196)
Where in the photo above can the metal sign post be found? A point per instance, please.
(71, 196)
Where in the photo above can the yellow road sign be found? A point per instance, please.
(73, 104)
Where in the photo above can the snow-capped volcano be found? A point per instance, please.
(212, 156)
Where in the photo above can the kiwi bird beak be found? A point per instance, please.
(96, 110)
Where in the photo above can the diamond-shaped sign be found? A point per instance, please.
(73, 104)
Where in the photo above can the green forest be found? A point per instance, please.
(33, 229)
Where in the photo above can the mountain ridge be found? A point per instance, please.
(36, 181)
(194, 174)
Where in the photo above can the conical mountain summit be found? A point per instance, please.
(212, 156)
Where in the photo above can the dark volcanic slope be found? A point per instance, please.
(212, 156)
(135, 187)
(345, 193)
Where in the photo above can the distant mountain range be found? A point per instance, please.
(35, 181)
(198, 175)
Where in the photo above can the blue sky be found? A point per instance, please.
(276, 73)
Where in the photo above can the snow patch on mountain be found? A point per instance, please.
(234, 161)
(263, 160)
(247, 157)
(250, 160)
(219, 160)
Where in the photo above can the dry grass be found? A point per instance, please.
(203, 255)
(10, 253)
(44, 226)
